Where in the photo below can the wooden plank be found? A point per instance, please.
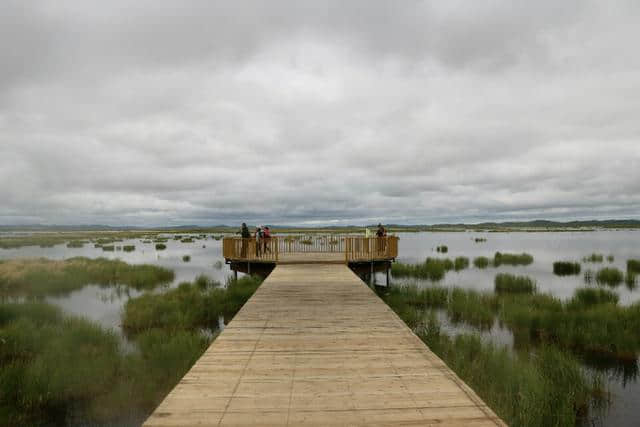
(316, 346)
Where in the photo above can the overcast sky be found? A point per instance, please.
(318, 112)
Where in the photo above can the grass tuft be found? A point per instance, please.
(512, 259)
(610, 276)
(510, 283)
(481, 262)
(566, 268)
(595, 258)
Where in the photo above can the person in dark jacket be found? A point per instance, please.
(245, 234)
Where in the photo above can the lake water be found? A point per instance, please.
(104, 305)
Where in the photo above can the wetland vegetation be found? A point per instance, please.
(41, 276)
(566, 268)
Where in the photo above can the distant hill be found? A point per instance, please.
(535, 224)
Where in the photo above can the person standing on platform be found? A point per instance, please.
(246, 235)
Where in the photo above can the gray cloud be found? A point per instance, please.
(155, 112)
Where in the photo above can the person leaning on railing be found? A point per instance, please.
(381, 234)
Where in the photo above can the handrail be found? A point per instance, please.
(355, 248)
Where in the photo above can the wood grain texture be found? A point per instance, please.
(316, 346)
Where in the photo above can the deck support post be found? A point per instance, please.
(371, 278)
(235, 274)
(248, 268)
(387, 275)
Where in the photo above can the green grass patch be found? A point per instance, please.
(38, 277)
(128, 248)
(460, 263)
(432, 269)
(60, 370)
(595, 258)
(76, 243)
(511, 259)
(510, 283)
(108, 248)
(481, 262)
(593, 296)
(610, 276)
(633, 266)
(566, 268)
(189, 306)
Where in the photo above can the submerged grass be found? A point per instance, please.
(566, 268)
(511, 259)
(460, 263)
(593, 296)
(505, 282)
(38, 277)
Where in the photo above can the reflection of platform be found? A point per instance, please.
(315, 346)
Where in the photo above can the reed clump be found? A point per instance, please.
(511, 259)
(594, 258)
(505, 282)
(480, 239)
(610, 276)
(40, 276)
(187, 240)
(432, 269)
(442, 249)
(566, 268)
(108, 248)
(610, 258)
(128, 248)
(481, 262)
(76, 243)
(161, 246)
(460, 263)
(633, 266)
(186, 258)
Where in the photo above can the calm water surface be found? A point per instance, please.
(104, 305)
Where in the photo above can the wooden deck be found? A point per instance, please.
(315, 346)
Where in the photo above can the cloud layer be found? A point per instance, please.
(161, 113)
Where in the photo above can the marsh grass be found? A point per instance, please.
(505, 282)
(544, 388)
(610, 258)
(593, 258)
(108, 248)
(481, 262)
(589, 277)
(433, 269)
(511, 259)
(480, 240)
(593, 296)
(189, 306)
(460, 263)
(76, 243)
(566, 268)
(58, 369)
(186, 258)
(633, 266)
(610, 276)
(630, 280)
(128, 248)
(187, 240)
(160, 246)
(38, 277)
(442, 249)
(589, 324)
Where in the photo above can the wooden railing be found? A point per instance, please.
(354, 248)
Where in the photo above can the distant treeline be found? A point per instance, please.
(537, 225)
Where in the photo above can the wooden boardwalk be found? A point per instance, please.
(316, 346)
